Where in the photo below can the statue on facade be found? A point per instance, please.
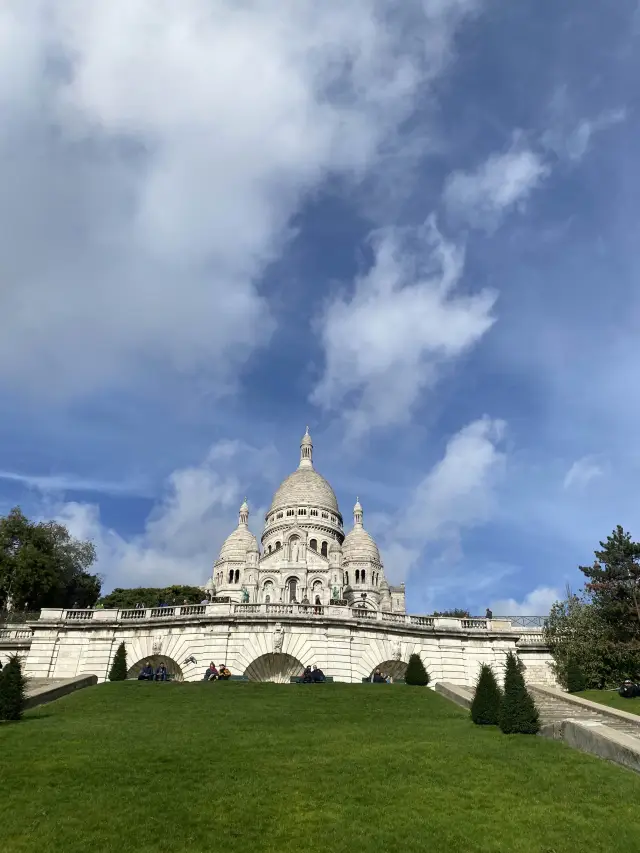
(245, 595)
(396, 651)
(334, 593)
(278, 637)
(294, 551)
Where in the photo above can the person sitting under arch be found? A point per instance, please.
(146, 673)
(224, 674)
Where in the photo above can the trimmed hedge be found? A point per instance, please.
(487, 699)
(12, 690)
(119, 665)
(518, 713)
(416, 673)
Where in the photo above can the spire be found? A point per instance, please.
(357, 514)
(244, 514)
(306, 451)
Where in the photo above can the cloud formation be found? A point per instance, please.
(582, 472)
(454, 497)
(384, 343)
(154, 153)
(504, 181)
(538, 602)
(185, 530)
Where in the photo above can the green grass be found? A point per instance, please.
(612, 699)
(258, 767)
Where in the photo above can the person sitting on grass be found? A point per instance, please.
(146, 673)
(161, 673)
(224, 673)
(378, 677)
(317, 674)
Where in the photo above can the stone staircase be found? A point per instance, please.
(554, 707)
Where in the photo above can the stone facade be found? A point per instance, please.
(271, 642)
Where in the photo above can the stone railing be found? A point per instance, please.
(15, 634)
(222, 609)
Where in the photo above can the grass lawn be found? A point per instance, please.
(611, 698)
(259, 767)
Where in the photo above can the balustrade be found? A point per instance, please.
(79, 615)
(474, 623)
(423, 621)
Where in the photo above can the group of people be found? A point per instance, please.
(147, 673)
(380, 678)
(312, 674)
(212, 673)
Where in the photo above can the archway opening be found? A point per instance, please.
(394, 668)
(173, 668)
(274, 667)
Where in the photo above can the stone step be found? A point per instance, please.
(554, 709)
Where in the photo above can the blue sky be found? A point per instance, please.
(414, 229)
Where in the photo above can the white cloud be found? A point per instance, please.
(384, 344)
(570, 137)
(183, 534)
(582, 472)
(153, 153)
(455, 496)
(502, 182)
(536, 603)
(70, 483)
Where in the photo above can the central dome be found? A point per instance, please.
(305, 486)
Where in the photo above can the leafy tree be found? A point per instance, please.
(119, 666)
(576, 681)
(42, 565)
(485, 708)
(12, 690)
(416, 673)
(518, 713)
(152, 596)
(456, 613)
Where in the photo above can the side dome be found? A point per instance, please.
(358, 545)
(237, 544)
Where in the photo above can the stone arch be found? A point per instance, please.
(395, 668)
(292, 589)
(173, 668)
(274, 667)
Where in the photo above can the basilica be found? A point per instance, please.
(304, 555)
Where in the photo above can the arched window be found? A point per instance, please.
(362, 574)
(324, 549)
(346, 578)
(357, 575)
(267, 591)
(278, 545)
(292, 590)
(318, 599)
(313, 544)
(269, 549)
(231, 576)
(237, 575)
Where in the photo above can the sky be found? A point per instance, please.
(412, 227)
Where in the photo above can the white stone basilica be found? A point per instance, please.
(306, 557)
(309, 593)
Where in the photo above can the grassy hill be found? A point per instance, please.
(258, 767)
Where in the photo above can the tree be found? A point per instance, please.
(487, 699)
(518, 713)
(416, 673)
(152, 596)
(12, 690)
(576, 681)
(456, 613)
(42, 565)
(119, 666)
(613, 583)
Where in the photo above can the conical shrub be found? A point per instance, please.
(576, 681)
(416, 673)
(119, 665)
(487, 699)
(12, 690)
(518, 713)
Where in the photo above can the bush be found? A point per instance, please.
(487, 699)
(416, 673)
(518, 713)
(119, 665)
(576, 681)
(12, 687)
